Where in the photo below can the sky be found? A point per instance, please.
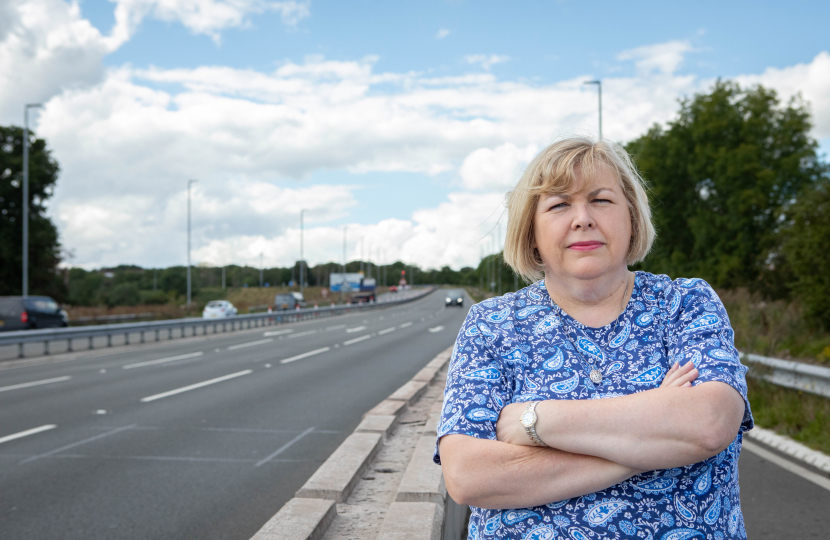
(402, 123)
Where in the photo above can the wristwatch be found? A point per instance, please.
(528, 421)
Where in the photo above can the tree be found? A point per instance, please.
(806, 243)
(44, 248)
(722, 176)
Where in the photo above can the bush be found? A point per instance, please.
(123, 294)
(154, 297)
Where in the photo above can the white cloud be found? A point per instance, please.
(486, 61)
(663, 58)
(442, 33)
(496, 169)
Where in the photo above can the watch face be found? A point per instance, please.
(528, 418)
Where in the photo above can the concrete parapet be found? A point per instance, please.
(410, 391)
(388, 407)
(426, 375)
(338, 475)
(423, 480)
(412, 521)
(299, 519)
(377, 423)
(431, 427)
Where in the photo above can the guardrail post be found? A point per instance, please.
(170, 333)
(69, 345)
(126, 338)
(46, 347)
(142, 336)
(20, 350)
(157, 334)
(109, 340)
(91, 345)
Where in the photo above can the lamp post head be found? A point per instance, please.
(593, 82)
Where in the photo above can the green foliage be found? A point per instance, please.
(722, 176)
(123, 294)
(807, 250)
(154, 297)
(44, 248)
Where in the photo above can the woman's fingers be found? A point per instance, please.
(680, 375)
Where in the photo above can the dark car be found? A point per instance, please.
(454, 298)
(18, 313)
(288, 301)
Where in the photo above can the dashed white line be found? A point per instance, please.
(355, 340)
(162, 360)
(278, 332)
(436, 329)
(404, 325)
(284, 447)
(305, 355)
(249, 344)
(35, 383)
(26, 433)
(195, 386)
(386, 331)
(355, 329)
(301, 334)
(78, 443)
(338, 327)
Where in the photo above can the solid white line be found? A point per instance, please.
(355, 329)
(278, 332)
(195, 386)
(284, 447)
(26, 433)
(34, 383)
(249, 344)
(436, 329)
(404, 325)
(303, 334)
(355, 340)
(386, 331)
(74, 444)
(305, 355)
(787, 464)
(162, 360)
(338, 327)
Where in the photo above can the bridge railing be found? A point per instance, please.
(191, 326)
(798, 375)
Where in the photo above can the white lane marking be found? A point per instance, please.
(386, 331)
(436, 329)
(284, 447)
(162, 360)
(305, 355)
(355, 329)
(404, 325)
(35, 383)
(355, 340)
(26, 433)
(79, 443)
(195, 386)
(249, 344)
(303, 334)
(787, 464)
(338, 327)
(278, 332)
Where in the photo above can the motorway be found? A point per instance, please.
(198, 438)
(206, 438)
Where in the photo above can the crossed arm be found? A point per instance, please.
(593, 444)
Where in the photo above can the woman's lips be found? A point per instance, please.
(585, 246)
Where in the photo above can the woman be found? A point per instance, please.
(596, 403)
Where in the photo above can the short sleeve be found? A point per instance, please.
(700, 331)
(477, 384)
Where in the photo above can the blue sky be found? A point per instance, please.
(405, 122)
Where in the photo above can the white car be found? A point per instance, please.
(218, 309)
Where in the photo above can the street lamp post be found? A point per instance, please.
(302, 260)
(189, 183)
(26, 195)
(599, 89)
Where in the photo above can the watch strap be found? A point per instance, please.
(531, 429)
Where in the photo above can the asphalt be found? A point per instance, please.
(218, 460)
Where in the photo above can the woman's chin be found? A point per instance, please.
(587, 269)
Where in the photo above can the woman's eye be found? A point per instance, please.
(558, 206)
(602, 200)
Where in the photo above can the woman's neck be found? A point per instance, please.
(594, 302)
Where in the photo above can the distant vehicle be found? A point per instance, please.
(18, 313)
(454, 298)
(393, 289)
(292, 300)
(218, 309)
(362, 297)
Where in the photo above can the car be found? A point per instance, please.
(18, 313)
(218, 309)
(288, 301)
(393, 289)
(454, 298)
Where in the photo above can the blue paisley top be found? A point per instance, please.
(513, 348)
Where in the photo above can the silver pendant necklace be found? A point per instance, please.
(594, 374)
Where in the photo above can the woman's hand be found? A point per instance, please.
(509, 429)
(680, 376)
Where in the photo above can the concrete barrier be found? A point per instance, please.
(338, 475)
(413, 521)
(422, 481)
(299, 519)
(409, 392)
(388, 407)
(377, 423)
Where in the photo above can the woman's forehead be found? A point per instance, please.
(601, 178)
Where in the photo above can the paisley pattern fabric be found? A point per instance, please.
(514, 348)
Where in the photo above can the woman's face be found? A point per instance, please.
(585, 233)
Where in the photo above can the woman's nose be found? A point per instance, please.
(582, 218)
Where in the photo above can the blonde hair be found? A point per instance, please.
(553, 171)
